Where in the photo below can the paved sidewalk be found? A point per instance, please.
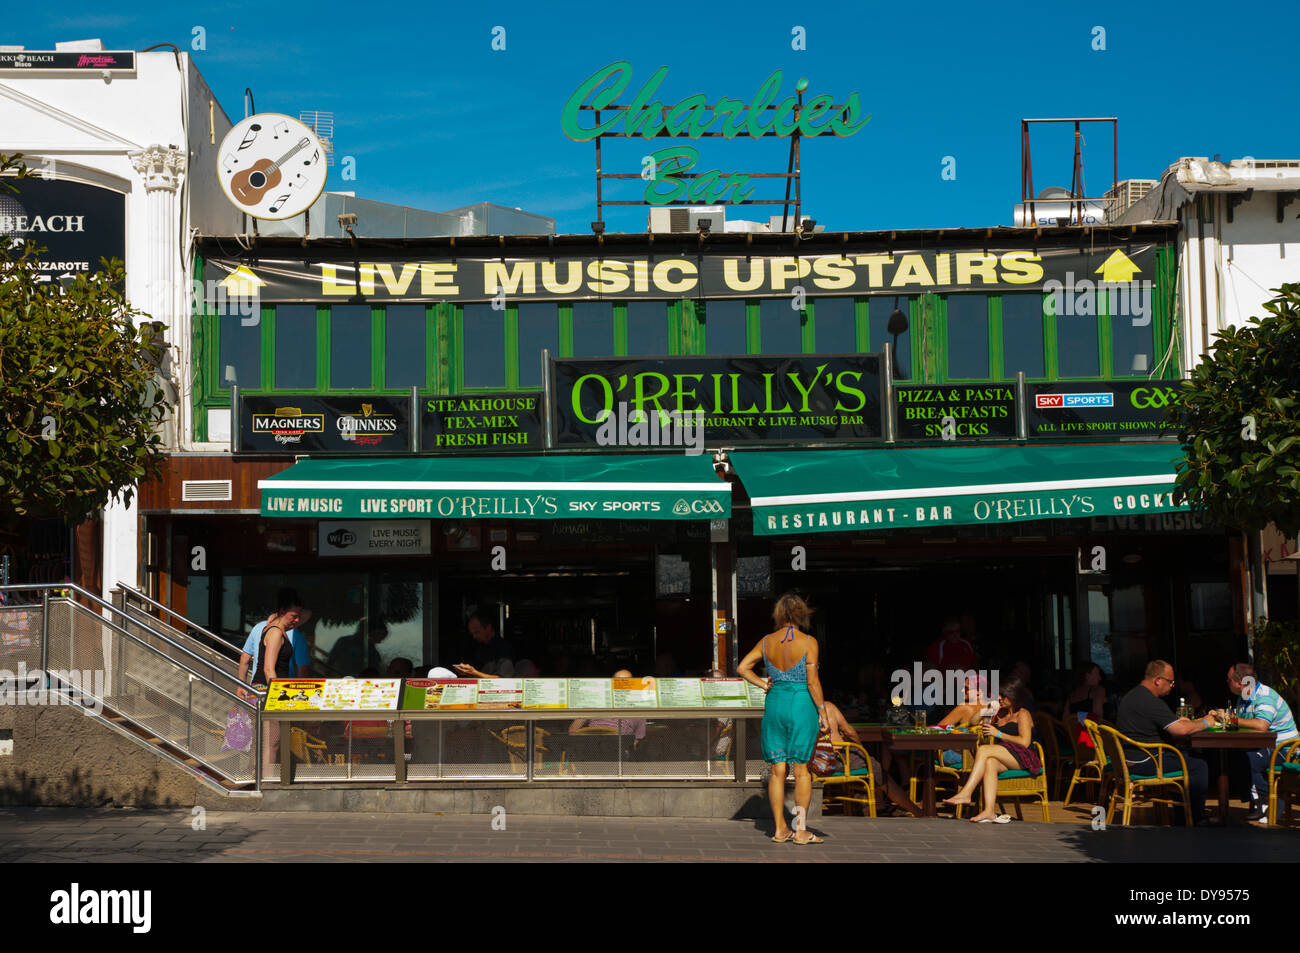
(116, 836)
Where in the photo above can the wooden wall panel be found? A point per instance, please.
(242, 472)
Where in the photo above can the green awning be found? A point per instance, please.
(819, 491)
(661, 486)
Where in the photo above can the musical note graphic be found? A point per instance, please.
(279, 202)
(250, 136)
(281, 128)
(229, 162)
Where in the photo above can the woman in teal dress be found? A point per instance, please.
(794, 711)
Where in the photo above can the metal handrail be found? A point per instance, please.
(112, 625)
(252, 705)
(137, 594)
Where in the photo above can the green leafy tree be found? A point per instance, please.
(79, 408)
(1238, 416)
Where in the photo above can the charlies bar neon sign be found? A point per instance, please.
(692, 116)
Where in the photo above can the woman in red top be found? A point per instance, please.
(1087, 700)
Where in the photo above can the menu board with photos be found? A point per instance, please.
(679, 693)
(295, 694)
(634, 693)
(415, 691)
(591, 693)
(498, 693)
(724, 692)
(452, 693)
(546, 693)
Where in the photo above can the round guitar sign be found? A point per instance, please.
(272, 166)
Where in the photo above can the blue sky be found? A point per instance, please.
(435, 118)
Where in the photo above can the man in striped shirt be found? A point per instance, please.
(1260, 709)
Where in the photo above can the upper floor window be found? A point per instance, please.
(967, 328)
(350, 346)
(295, 346)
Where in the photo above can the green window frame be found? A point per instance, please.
(673, 326)
(998, 361)
(989, 338)
(322, 385)
(916, 309)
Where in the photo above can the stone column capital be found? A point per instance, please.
(160, 166)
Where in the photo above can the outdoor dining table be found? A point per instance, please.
(927, 740)
(1224, 741)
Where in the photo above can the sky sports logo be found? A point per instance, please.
(1058, 401)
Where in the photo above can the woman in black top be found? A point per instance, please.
(276, 651)
(276, 656)
(1013, 730)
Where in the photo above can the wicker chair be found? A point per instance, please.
(1090, 770)
(1129, 786)
(1058, 760)
(849, 780)
(515, 739)
(1284, 777)
(1018, 783)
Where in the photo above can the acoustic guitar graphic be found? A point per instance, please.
(250, 185)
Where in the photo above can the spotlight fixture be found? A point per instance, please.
(346, 221)
(897, 325)
(598, 228)
(704, 224)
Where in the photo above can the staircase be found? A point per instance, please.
(139, 669)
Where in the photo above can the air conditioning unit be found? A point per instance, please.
(685, 220)
(1126, 194)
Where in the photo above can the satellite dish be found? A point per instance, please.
(272, 166)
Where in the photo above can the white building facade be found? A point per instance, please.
(142, 128)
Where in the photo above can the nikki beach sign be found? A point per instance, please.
(691, 117)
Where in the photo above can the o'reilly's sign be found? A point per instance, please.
(324, 423)
(737, 400)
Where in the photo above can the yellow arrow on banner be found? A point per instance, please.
(1118, 268)
(241, 282)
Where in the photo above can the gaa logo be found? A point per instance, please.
(681, 508)
(342, 538)
(706, 506)
(1152, 398)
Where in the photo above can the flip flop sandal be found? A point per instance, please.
(782, 840)
(812, 840)
(1002, 819)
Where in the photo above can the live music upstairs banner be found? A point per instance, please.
(678, 270)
